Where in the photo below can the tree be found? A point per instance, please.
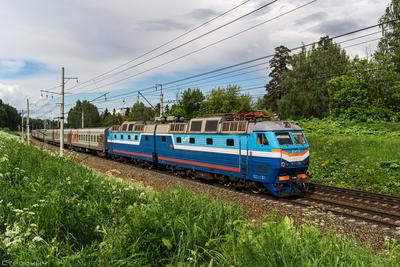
(306, 83)
(226, 100)
(189, 105)
(9, 116)
(90, 112)
(274, 89)
(368, 91)
(389, 44)
(141, 113)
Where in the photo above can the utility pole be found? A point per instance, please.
(161, 100)
(62, 113)
(83, 118)
(22, 125)
(27, 121)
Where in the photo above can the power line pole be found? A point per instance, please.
(22, 125)
(161, 100)
(83, 118)
(62, 113)
(27, 121)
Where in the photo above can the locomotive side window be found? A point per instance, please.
(284, 138)
(146, 137)
(230, 142)
(163, 139)
(192, 140)
(136, 137)
(262, 139)
(209, 141)
(299, 138)
(179, 139)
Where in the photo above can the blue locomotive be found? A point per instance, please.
(261, 155)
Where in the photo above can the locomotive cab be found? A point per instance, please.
(280, 157)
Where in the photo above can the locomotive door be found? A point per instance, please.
(243, 155)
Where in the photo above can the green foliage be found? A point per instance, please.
(189, 104)
(307, 95)
(56, 212)
(389, 44)
(362, 156)
(141, 113)
(368, 91)
(9, 117)
(275, 90)
(91, 115)
(226, 100)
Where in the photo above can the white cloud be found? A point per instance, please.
(12, 94)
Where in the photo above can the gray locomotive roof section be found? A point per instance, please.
(275, 126)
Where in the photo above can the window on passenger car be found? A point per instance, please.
(163, 139)
(136, 137)
(209, 141)
(195, 126)
(124, 127)
(130, 127)
(230, 142)
(179, 139)
(262, 139)
(115, 136)
(122, 137)
(192, 140)
(129, 137)
(284, 138)
(299, 138)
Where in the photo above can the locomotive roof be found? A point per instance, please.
(275, 126)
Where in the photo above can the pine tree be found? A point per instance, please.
(274, 89)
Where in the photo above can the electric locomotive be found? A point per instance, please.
(262, 155)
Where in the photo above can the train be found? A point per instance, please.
(263, 155)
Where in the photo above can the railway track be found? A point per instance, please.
(382, 210)
(353, 205)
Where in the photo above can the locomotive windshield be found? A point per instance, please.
(284, 138)
(299, 138)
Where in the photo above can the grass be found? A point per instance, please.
(363, 156)
(56, 212)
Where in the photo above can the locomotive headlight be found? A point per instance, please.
(284, 164)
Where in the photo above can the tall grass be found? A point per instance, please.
(56, 212)
(364, 156)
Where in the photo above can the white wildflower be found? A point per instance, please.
(18, 211)
(35, 205)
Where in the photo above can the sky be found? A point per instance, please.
(92, 37)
